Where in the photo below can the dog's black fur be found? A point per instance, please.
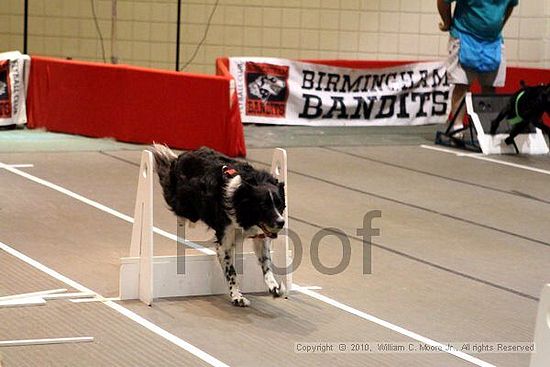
(227, 195)
(531, 106)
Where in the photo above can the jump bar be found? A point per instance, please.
(25, 342)
(33, 294)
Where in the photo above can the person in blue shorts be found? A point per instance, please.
(476, 46)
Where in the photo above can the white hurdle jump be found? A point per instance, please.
(533, 143)
(145, 276)
(541, 356)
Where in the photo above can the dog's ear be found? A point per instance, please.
(246, 195)
(251, 190)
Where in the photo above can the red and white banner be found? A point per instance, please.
(287, 92)
(14, 75)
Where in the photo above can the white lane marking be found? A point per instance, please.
(487, 159)
(102, 207)
(295, 287)
(305, 291)
(20, 165)
(95, 299)
(120, 309)
(388, 325)
(441, 149)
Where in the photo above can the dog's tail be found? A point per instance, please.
(164, 157)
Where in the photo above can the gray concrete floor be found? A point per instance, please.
(462, 254)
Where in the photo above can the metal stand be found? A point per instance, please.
(456, 138)
(178, 31)
(479, 140)
(25, 27)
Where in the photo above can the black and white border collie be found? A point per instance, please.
(228, 195)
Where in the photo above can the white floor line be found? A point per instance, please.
(443, 150)
(296, 287)
(389, 325)
(101, 207)
(487, 159)
(303, 290)
(118, 308)
(21, 165)
(95, 299)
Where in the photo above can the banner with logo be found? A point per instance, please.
(14, 73)
(287, 92)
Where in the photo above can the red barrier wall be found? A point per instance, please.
(133, 104)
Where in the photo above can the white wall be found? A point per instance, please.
(324, 29)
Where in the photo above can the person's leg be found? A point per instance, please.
(459, 92)
(457, 76)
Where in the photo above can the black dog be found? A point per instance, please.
(525, 107)
(228, 195)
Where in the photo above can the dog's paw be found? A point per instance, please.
(509, 140)
(278, 291)
(240, 302)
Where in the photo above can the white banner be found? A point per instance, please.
(287, 92)
(14, 76)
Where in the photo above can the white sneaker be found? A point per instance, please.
(457, 127)
(459, 135)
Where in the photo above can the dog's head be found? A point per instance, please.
(537, 99)
(546, 98)
(542, 101)
(261, 204)
(3, 88)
